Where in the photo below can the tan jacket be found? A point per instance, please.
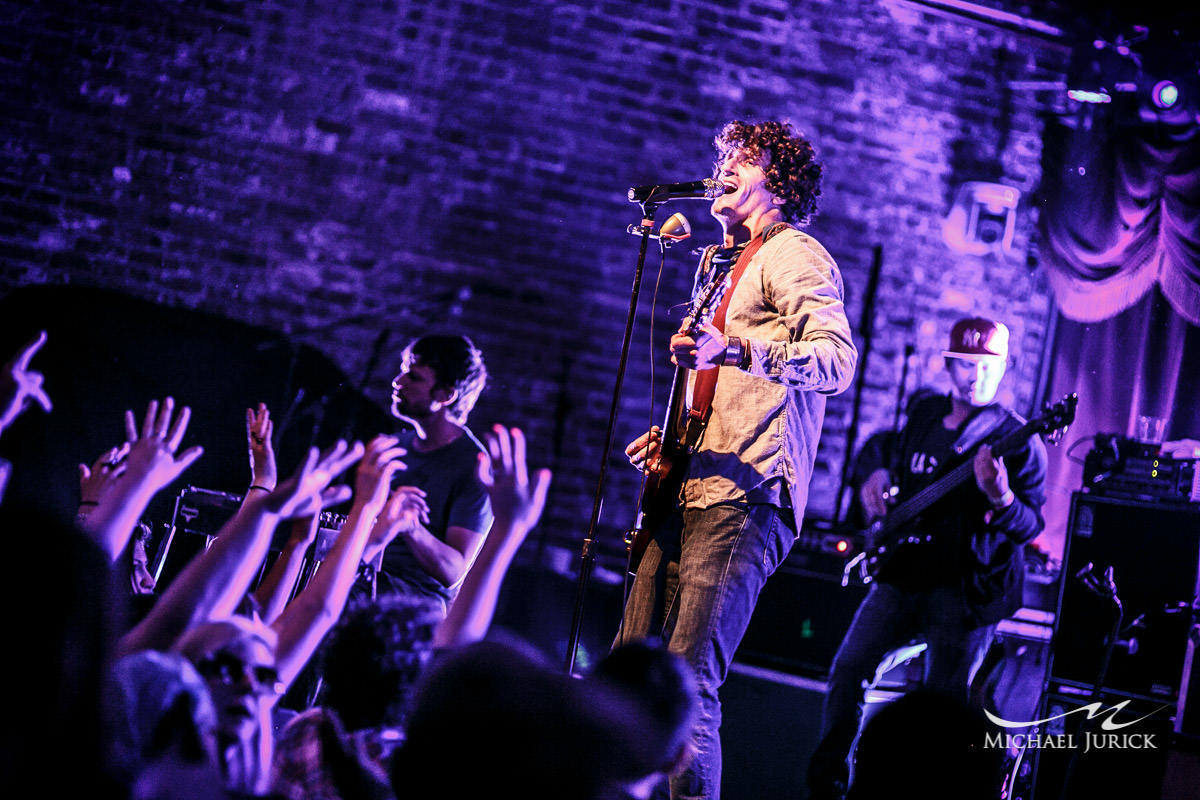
(766, 420)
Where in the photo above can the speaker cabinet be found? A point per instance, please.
(1088, 762)
(771, 724)
(198, 516)
(801, 616)
(1152, 550)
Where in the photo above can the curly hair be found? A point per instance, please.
(374, 657)
(456, 363)
(793, 173)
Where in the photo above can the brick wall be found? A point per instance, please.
(405, 166)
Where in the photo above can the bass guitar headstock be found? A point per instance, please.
(1056, 419)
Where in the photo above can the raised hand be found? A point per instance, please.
(517, 504)
(96, 481)
(505, 474)
(151, 459)
(20, 386)
(375, 471)
(259, 429)
(119, 486)
(307, 491)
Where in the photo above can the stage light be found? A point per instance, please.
(1168, 91)
(1085, 96)
(1100, 71)
(1170, 100)
(1164, 95)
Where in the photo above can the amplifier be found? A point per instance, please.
(1133, 470)
(1131, 633)
(199, 515)
(801, 615)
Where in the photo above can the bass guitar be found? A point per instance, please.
(663, 476)
(889, 534)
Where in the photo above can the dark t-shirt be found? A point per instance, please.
(456, 498)
(927, 453)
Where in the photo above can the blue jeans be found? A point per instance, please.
(888, 618)
(695, 588)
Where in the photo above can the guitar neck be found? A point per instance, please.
(672, 421)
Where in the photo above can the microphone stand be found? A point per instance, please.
(587, 558)
(867, 336)
(1105, 588)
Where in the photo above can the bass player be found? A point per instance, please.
(960, 567)
(778, 345)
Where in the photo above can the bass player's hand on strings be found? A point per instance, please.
(876, 494)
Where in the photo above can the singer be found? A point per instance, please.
(759, 374)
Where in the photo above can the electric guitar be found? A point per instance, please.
(664, 475)
(890, 533)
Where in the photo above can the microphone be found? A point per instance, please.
(706, 189)
(675, 229)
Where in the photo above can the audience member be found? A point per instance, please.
(371, 663)
(280, 582)
(435, 391)
(664, 686)
(141, 580)
(926, 744)
(133, 569)
(55, 733)
(166, 727)
(530, 730)
(236, 657)
(20, 387)
(248, 664)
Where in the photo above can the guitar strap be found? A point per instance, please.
(979, 428)
(704, 387)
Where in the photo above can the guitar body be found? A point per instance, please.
(664, 477)
(884, 537)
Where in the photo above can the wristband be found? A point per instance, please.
(256, 486)
(735, 352)
(1004, 501)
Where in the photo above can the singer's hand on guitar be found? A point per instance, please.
(643, 452)
(703, 348)
(876, 493)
